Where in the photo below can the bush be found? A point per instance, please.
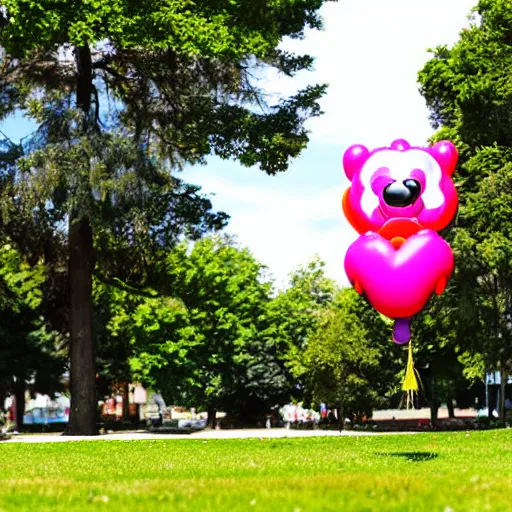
(482, 421)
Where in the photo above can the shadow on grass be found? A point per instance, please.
(410, 456)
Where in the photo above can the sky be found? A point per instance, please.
(369, 53)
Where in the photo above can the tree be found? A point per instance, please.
(489, 242)
(197, 337)
(469, 93)
(31, 350)
(437, 353)
(124, 91)
(113, 347)
(218, 336)
(350, 361)
(293, 317)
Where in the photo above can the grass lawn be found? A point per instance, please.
(447, 472)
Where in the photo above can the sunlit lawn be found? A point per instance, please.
(428, 472)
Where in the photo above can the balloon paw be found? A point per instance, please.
(441, 285)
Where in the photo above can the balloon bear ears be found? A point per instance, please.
(444, 152)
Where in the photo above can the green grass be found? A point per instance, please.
(426, 472)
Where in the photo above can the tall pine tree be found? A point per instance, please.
(124, 92)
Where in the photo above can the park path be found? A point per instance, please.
(273, 433)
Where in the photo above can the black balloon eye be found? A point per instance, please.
(402, 194)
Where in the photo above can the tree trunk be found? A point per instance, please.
(126, 401)
(3, 391)
(82, 420)
(434, 405)
(434, 409)
(83, 411)
(341, 423)
(212, 417)
(451, 409)
(19, 396)
(491, 400)
(503, 385)
(84, 85)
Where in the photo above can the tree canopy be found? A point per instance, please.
(468, 91)
(351, 363)
(124, 94)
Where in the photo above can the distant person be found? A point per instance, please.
(158, 400)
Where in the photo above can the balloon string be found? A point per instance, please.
(410, 384)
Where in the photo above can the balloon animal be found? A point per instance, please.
(399, 198)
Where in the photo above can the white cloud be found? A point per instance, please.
(370, 53)
(283, 229)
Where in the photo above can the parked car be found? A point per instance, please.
(46, 416)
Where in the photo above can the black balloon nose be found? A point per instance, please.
(402, 194)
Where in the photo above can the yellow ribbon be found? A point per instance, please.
(410, 384)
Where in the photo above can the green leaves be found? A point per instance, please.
(177, 75)
(469, 92)
(21, 282)
(198, 339)
(223, 29)
(350, 362)
(125, 93)
(28, 344)
(469, 86)
(217, 334)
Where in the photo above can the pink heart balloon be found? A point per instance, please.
(399, 282)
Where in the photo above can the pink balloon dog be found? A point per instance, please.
(399, 198)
